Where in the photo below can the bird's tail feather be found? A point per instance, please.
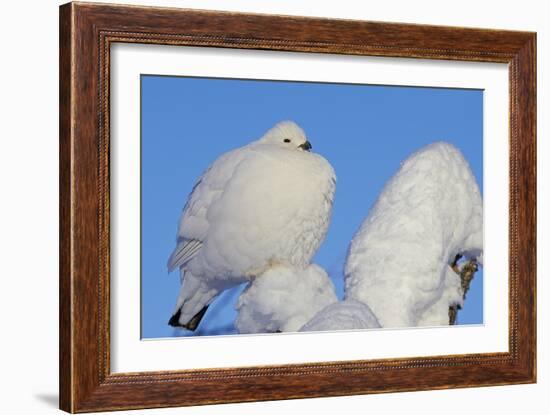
(194, 298)
(191, 324)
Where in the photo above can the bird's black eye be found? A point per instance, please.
(287, 140)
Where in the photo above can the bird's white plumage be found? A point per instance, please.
(283, 298)
(263, 204)
(398, 262)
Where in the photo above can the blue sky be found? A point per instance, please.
(365, 131)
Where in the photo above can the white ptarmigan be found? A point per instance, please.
(398, 263)
(261, 205)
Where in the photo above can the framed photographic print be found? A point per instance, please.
(258, 207)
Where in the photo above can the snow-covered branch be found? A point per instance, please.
(284, 298)
(399, 260)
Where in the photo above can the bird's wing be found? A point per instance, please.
(193, 225)
(185, 250)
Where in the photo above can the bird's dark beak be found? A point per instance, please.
(306, 146)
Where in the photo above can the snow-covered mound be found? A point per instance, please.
(398, 262)
(283, 299)
(343, 315)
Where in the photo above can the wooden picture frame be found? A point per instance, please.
(86, 33)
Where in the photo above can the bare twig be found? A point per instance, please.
(466, 272)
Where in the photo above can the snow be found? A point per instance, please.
(398, 261)
(451, 294)
(343, 315)
(266, 203)
(283, 299)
